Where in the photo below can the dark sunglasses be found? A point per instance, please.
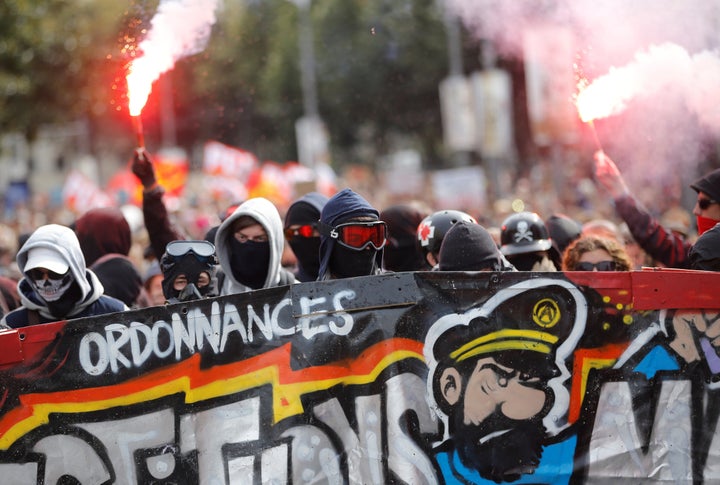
(357, 235)
(303, 231)
(39, 274)
(601, 266)
(705, 203)
(203, 249)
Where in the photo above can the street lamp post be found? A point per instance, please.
(310, 130)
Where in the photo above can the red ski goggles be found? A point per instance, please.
(357, 235)
(303, 231)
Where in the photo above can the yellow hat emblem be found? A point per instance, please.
(546, 313)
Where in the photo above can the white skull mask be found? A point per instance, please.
(52, 289)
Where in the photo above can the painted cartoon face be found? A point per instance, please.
(493, 386)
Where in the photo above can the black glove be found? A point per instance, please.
(142, 167)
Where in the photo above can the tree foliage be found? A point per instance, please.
(58, 59)
(378, 65)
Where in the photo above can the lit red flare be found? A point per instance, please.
(606, 96)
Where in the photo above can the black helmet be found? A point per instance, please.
(432, 229)
(524, 232)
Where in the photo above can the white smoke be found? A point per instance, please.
(180, 28)
(659, 70)
(665, 49)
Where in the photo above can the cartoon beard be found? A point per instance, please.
(515, 451)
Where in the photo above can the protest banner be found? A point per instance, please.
(427, 377)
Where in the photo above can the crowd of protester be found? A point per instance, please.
(55, 264)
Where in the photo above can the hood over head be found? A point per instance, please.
(267, 215)
(402, 252)
(119, 277)
(305, 210)
(63, 244)
(342, 207)
(103, 231)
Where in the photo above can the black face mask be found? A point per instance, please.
(307, 252)
(402, 258)
(347, 263)
(524, 261)
(249, 262)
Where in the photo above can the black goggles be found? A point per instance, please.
(303, 231)
(203, 249)
(357, 235)
(601, 266)
(705, 203)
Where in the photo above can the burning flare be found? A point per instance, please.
(653, 73)
(179, 28)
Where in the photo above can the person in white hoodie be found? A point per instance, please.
(56, 284)
(249, 245)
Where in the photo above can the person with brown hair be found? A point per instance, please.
(591, 253)
(249, 245)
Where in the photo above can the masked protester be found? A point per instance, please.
(661, 243)
(56, 283)
(249, 246)
(103, 231)
(351, 237)
(402, 252)
(188, 269)
(705, 254)
(525, 242)
(470, 247)
(302, 235)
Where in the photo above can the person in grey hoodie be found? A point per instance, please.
(249, 246)
(56, 283)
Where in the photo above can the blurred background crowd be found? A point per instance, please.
(465, 105)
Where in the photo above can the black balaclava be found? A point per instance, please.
(249, 262)
(402, 252)
(307, 250)
(526, 261)
(119, 277)
(347, 263)
(306, 210)
(343, 207)
(191, 266)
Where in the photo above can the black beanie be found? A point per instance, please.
(301, 213)
(709, 184)
(469, 247)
